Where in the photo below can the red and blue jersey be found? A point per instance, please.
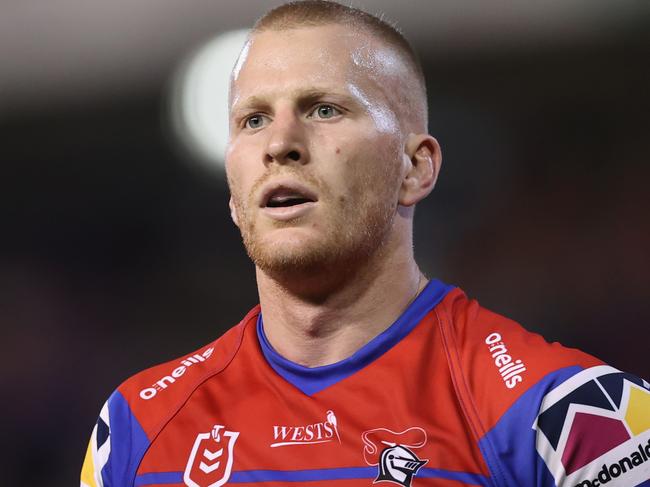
(450, 394)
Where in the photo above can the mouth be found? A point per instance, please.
(287, 200)
(287, 195)
(283, 201)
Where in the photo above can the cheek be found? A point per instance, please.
(239, 192)
(232, 177)
(239, 173)
(242, 157)
(364, 165)
(374, 156)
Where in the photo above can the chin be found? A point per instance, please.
(292, 255)
(334, 245)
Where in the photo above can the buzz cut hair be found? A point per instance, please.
(313, 13)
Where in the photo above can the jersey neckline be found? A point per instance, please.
(311, 380)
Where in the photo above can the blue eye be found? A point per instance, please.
(326, 111)
(254, 121)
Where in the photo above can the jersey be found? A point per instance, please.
(450, 394)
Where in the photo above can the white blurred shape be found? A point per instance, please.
(200, 98)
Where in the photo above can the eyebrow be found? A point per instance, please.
(305, 96)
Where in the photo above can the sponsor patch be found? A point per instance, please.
(309, 434)
(594, 430)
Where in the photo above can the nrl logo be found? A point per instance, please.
(396, 461)
(210, 461)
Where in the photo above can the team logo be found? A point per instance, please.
(210, 461)
(309, 434)
(594, 430)
(392, 453)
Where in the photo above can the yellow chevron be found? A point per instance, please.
(88, 469)
(637, 415)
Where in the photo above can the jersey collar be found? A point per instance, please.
(311, 380)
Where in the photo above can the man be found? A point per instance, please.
(356, 368)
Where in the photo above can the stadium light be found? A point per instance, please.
(199, 98)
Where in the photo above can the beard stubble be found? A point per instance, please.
(355, 228)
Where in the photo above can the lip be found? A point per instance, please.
(285, 213)
(288, 185)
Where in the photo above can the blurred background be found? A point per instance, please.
(117, 251)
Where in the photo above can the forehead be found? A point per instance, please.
(329, 56)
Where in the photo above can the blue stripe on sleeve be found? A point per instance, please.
(511, 442)
(128, 443)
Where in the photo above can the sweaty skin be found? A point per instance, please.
(314, 113)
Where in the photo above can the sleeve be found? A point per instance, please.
(594, 429)
(546, 415)
(116, 446)
(97, 452)
(576, 427)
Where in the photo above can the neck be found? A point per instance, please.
(337, 312)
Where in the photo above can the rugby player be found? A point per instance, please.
(356, 368)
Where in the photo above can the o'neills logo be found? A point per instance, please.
(615, 470)
(509, 369)
(309, 434)
(166, 381)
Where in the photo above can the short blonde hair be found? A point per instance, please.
(306, 13)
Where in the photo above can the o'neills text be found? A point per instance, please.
(509, 369)
(615, 470)
(166, 381)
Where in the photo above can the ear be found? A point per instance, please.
(422, 158)
(233, 211)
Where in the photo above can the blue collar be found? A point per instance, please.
(313, 380)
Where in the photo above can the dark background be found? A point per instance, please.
(117, 251)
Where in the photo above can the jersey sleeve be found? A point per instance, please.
(545, 415)
(142, 405)
(116, 444)
(96, 456)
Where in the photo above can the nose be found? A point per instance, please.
(287, 140)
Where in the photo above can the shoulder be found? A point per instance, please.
(143, 404)
(544, 414)
(157, 392)
(498, 351)
(161, 387)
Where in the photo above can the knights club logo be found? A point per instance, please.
(210, 461)
(392, 452)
